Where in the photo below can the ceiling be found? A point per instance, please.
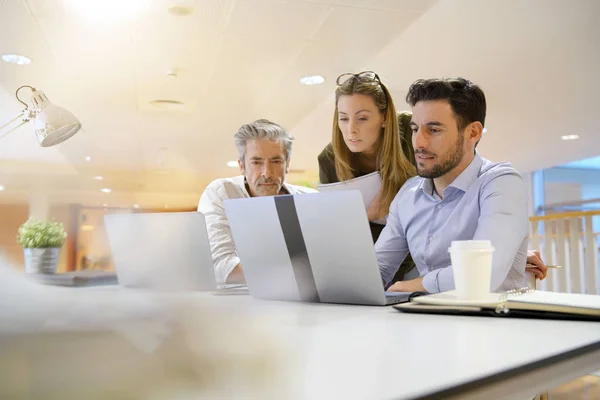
(232, 61)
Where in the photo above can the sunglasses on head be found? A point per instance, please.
(365, 76)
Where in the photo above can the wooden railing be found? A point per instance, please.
(569, 240)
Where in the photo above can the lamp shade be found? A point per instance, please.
(53, 124)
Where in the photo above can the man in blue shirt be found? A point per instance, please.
(458, 195)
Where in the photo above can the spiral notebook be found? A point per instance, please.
(520, 303)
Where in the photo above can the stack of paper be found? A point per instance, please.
(368, 185)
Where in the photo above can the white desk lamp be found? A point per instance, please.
(53, 124)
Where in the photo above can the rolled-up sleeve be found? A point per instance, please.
(392, 247)
(223, 250)
(439, 280)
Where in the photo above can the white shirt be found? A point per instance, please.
(222, 247)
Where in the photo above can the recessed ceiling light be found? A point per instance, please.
(312, 80)
(232, 164)
(1, 188)
(166, 206)
(569, 137)
(98, 178)
(16, 59)
(104, 205)
(106, 190)
(136, 206)
(88, 158)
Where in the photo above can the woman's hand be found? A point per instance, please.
(373, 210)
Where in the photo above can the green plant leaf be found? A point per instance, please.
(38, 234)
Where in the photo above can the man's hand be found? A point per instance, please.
(373, 210)
(535, 265)
(414, 285)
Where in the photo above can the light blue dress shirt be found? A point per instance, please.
(487, 201)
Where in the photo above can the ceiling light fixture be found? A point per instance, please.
(105, 190)
(1, 188)
(88, 158)
(312, 80)
(16, 59)
(569, 137)
(98, 178)
(136, 206)
(232, 164)
(53, 124)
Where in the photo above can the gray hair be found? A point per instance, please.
(262, 129)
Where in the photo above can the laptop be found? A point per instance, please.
(313, 247)
(162, 251)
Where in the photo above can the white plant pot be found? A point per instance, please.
(41, 261)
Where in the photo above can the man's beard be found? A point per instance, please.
(271, 190)
(447, 164)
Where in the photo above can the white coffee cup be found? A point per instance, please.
(472, 268)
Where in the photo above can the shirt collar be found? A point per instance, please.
(427, 186)
(285, 188)
(469, 175)
(462, 181)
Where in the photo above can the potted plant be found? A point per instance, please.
(41, 241)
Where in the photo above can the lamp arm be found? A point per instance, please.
(17, 94)
(25, 116)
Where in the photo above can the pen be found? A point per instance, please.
(549, 266)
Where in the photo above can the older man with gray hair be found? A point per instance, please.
(264, 150)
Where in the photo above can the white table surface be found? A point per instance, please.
(364, 352)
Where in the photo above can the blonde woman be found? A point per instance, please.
(366, 138)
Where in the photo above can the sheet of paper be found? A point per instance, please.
(559, 299)
(368, 185)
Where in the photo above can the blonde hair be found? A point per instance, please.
(395, 169)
